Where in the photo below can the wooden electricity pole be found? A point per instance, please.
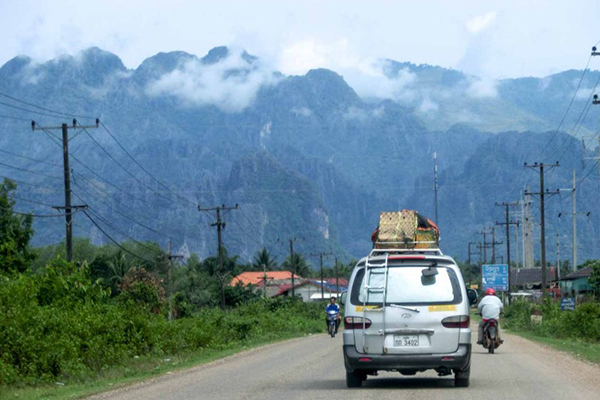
(221, 275)
(68, 207)
(542, 194)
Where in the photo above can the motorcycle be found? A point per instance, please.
(491, 341)
(332, 318)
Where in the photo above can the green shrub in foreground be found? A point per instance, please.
(57, 325)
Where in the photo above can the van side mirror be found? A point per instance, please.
(343, 298)
(472, 295)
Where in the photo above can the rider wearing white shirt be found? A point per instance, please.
(490, 307)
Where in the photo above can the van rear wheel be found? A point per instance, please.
(353, 379)
(462, 378)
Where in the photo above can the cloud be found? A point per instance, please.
(303, 111)
(356, 114)
(480, 23)
(231, 84)
(366, 75)
(428, 105)
(482, 87)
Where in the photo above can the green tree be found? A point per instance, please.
(15, 233)
(264, 260)
(300, 266)
(594, 278)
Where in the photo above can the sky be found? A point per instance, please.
(490, 39)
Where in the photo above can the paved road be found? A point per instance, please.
(312, 368)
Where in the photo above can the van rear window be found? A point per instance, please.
(407, 285)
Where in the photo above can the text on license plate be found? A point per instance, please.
(406, 340)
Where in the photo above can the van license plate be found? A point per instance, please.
(406, 340)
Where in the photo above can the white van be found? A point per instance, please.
(407, 311)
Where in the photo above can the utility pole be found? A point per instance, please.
(469, 266)
(265, 279)
(542, 195)
(508, 223)
(221, 275)
(67, 178)
(558, 255)
(337, 278)
(171, 257)
(573, 191)
(435, 187)
(293, 266)
(321, 255)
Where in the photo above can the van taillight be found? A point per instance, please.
(356, 323)
(458, 321)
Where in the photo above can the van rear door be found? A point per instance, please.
(415, 307)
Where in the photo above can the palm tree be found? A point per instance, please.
(264, 260)
(299, 266)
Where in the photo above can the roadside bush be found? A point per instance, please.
(583, 323)
(58, 325)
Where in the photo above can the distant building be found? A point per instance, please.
(530, 279)
(577, 282)
(310, 290)
(258, 277)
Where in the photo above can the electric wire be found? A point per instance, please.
(142, 167)
(28, 183)
(43, 108)
(15, 118)
(115, 242)
(26, 110)
(29, 171)
(125, 169)
(31, 159)
(107, 196)
(124, 215)
(92, 171)
(568, 107)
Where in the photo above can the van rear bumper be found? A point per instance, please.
(459, 360)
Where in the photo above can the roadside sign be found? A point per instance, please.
(495, 276)
(567, 304)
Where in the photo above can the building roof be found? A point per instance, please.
(530, 276)
(582, 273)
(256, 277)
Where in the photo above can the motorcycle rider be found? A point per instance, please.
(490, 307)
(332, 306)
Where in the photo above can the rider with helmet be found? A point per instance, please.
(490, 307)
(332, 306)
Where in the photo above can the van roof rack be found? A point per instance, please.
(381, 252)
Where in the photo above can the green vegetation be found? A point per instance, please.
(103, 318)
(575, 331)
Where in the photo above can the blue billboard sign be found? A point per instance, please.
(495, 276)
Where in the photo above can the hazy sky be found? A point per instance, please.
(488, 38)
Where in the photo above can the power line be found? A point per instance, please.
(142, 167)
(62, 114)
(30, 159)
(26, 110)
(28, 183)
(105, 195)
(29, 171)
(568, 108)
(15, 118)
(123, 168)
(115, 242)
(124, 215)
